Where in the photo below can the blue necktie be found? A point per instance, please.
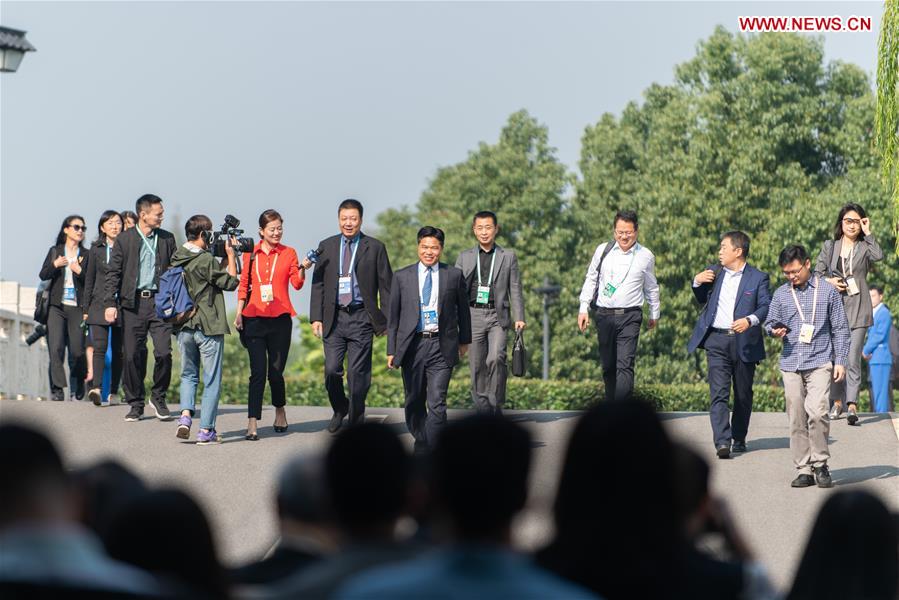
(426, 289)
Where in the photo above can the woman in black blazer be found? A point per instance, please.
(108, 229)
(65, 267)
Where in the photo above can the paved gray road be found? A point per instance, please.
(234, 481)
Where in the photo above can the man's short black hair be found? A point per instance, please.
(434, 232)
(738, 239)
(145, 202)
(628, 216)
(195, 227)
(350, 203)
(791, 253)
(485, 214)
(481, 500)
(878, 287)
(367, 472)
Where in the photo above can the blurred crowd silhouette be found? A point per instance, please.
(370, 520)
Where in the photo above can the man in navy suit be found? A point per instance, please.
(428, 330)
(735, 299)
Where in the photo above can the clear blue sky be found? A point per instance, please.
(235, 107)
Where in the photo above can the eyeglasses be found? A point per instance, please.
(793, 272)
(852, 221)
(78, 227)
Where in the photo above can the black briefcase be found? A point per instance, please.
(519, 356)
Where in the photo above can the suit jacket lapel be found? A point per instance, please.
(441, 285)
(712, 303)
(500, 256)
(742, 287)
(363, 248)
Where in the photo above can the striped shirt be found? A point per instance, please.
(830, 341)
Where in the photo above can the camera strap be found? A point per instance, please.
(250, 276)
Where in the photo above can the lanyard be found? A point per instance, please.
(271, 274)
(843, 260)
(146, 242)
(352, 258)
(631, 264)
(69, 262)
(492, 262)
(814, 302)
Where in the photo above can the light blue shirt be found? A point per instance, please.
(146, 277)
(462, 573)
(354, 246)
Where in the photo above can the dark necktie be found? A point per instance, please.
(346, 299)
(426, 289)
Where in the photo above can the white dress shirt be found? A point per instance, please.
(435, 291)
(631, 272)
(727, 298)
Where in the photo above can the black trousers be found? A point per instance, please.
(137, 323)
(618, 335)
(350, 338)
(268, 344)
(100, 338)
(426, 377)
(726, 369)
(64, 330)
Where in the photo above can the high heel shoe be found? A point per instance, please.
(279, 428)
(253, 437)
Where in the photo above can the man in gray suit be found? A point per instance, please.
(494, 287)
(428, 329)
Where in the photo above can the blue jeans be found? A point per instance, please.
(197, 348)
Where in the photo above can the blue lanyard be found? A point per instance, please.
(352, 258)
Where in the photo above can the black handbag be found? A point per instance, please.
(42, 302)
(519, 356)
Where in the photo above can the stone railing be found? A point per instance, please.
(23, 368)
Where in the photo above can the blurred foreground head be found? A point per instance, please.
(367, 472)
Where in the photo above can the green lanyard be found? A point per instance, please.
(631, 264)
(147, 242)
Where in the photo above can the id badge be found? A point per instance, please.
(806, 332)
(851, 286)
(266, 292)
(609, 290)
(429, 317)
(68, 294)
(483, 294)
(345, 285)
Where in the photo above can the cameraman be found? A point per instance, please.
(202, 337)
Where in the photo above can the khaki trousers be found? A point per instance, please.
(807, 403)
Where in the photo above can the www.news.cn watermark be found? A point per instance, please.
(805, 24)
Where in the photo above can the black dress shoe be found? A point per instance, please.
(803, 480)
(823, 478)
(336, 422)
(723, 450)
(739, 447)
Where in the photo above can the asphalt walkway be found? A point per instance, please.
(235, 480)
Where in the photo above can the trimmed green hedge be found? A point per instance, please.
(533, 394)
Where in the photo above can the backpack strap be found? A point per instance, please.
(605, 252)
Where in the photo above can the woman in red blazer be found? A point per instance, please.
(265, 316)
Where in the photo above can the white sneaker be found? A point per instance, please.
(112, 399)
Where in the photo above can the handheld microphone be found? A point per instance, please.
(313, 255)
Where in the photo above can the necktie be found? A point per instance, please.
(426, 289)
(346, 299)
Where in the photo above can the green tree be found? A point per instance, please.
(887, 115)
(756, 133)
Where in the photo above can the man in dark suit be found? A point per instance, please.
(351, 277)
(140, 256)
(428, 329)
(494, 287)
(735, 299)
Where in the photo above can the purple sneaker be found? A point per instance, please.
(184, 423)
(207, 437)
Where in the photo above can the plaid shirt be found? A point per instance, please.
(830, 342)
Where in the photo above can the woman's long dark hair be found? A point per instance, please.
(107, 215)
(838, 227)
(855, 524)
(61, 236)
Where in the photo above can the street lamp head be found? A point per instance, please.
(13, 47)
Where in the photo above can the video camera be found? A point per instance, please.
(218, 239)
